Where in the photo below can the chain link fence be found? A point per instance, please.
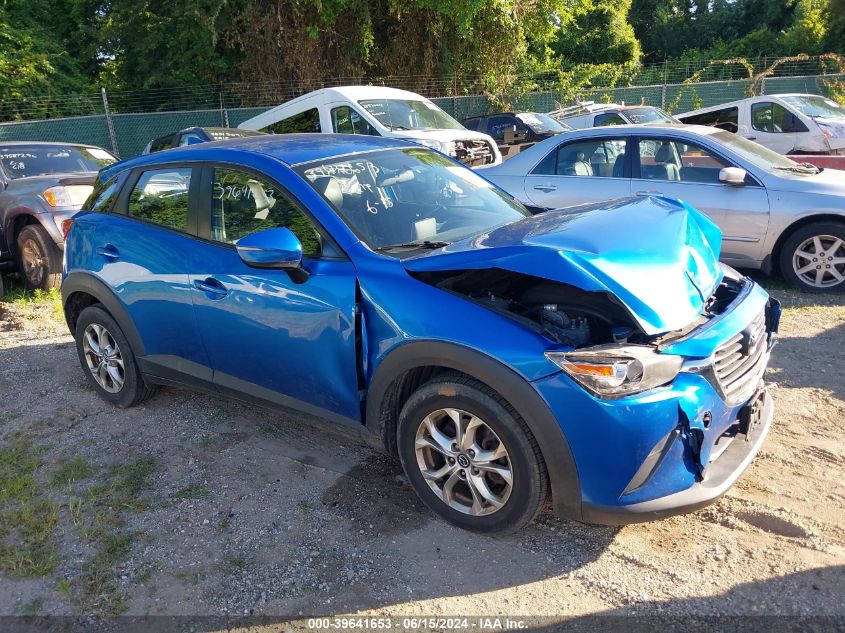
(126, 121)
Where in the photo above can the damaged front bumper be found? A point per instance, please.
(676, 448)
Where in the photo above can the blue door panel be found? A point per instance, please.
(147, 268)
(268, 333)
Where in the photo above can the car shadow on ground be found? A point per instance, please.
(810, 361)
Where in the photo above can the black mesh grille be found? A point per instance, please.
(739, 362)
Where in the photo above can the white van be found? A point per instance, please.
(787, 124)
(381, 112)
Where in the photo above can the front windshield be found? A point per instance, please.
(21, 161)
(757, 154)
(648, 115)
(398, 199)
(542, 123)
(816, 107)
(407, 114)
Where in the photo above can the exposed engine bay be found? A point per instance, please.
(565, 314)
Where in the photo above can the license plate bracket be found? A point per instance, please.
(751, 415)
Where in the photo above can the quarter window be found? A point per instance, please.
(308, 121)
(242, 204)
(161, 196)
(603, 158)
(662, 159)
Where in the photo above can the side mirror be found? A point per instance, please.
(271, 248)
(733, 175)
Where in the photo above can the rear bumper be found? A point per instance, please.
(720, 476)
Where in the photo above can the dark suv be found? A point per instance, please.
(194, 135)
(41, 186)
(514, 132)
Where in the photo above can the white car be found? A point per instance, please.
(787, 123)
(775, 214)
(379, 111)
(591, 114)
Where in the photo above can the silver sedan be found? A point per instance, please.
(775, 214)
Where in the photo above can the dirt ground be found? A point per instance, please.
(191, 505)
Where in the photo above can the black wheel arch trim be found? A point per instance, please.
(563, 473)
(85, 282)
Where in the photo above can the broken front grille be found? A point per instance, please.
(474, 153)
(738, 364)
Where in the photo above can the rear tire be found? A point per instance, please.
(813, 257)
(487, 477)
(39, 259)
(108, 361)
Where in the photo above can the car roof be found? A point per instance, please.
(47, 144)
(730, 104)
(652, 129)
(291, 149)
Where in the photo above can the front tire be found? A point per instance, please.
(39, 259)
(470, 457)
(107, 359)
(813, 257)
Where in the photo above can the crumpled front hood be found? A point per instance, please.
(657, 256)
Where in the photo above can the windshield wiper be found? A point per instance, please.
(422, 244)
(801, 168)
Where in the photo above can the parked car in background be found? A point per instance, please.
(786, 124)
(775, 214)
(41, 186)
(379, 111)
(194, 135)
(516, 131)
(590, 114)
(378, 284)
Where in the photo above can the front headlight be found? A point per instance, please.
(67, 196)
(611, 371)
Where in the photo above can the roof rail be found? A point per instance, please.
(582, 107)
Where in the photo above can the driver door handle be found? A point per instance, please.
(649, 193)
(211, 287)
(545, 188)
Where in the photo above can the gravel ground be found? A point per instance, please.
(245, 511)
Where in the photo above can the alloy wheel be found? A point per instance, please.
(819, 261)
(34, 263)
(464, 462)
(103, 357)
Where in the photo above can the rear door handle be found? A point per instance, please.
(108, 251)
(649, 193)
(751, 138)
(546, 188)
(211, 287)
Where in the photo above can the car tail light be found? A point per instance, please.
(66, 225)
(68, 195)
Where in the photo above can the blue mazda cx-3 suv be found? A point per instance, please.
(599, 355)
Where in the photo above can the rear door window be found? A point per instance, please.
(724, 119)
(160, 196)
(609, 118)
(601, 157)
(308, 121)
